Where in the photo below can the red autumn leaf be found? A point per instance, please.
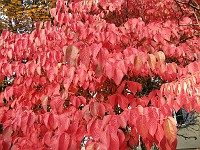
(170, 130)
(52, 121)
(64, 141)
(67, 66)
(73, 127)
(153, 121)
(80, 132)
(32, 67)
(193, 67)
(75, 101)
(122, 66)
(113, 100)
(186, 21)
(63, 122)
(133, 116)
(8, 93)
(7, 69)
(29, 82)
(141, 125)
(73, 144)
(5, 34)
(121, 87)
(56, 103)
(83, 100)
(166, 34)
(106, 120)
(47, 138)
(85, 56)
(118, 75)
(9, 53)
(105, 138)
(113, 123)
(44, 100)
(7, 134)
(96, 129)
(121, 137)
(166, 110)
(110, 71)
(101, 110)
(1, 77)
(122, 101)
(31, 119)
(159, 133)
(134, 87)
(114, 141)
(1, 104)
(94, 106)
(122, 119)
(112, 38)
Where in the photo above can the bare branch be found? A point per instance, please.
(187, 137)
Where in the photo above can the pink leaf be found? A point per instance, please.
(7, 134)
(114, 141)
(118, 76)
(152, 123)
(101, 110)
(94, 106)
(47, 138)
(95, 129)
(166, 34)
(53, 123)
(8, 93)
(85, 56)
(141, 125)
(121, 137)
(185, 21)
(134, 87)
(109, 70)
(105, 139)
(122, 119)
(64, 141)
(113, 100)
(159, 133)
(64, 122)
(122, 101)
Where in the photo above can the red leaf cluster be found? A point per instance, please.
(106, 75)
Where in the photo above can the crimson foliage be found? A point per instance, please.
(111, 72)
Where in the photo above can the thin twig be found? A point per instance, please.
(194, 7)
(187, 137)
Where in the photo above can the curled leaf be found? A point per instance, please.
(71, 54)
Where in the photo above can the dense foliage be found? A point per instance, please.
(103, 75)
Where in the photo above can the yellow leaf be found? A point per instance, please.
(137, 63)
(160, 56)
(170, 130)
(152, 61)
